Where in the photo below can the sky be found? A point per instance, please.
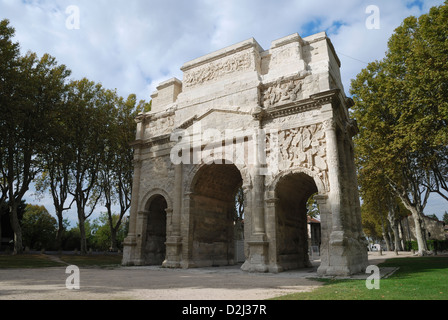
(134, 45)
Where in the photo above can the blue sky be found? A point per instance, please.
(136, 44)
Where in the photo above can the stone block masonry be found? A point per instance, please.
(284, 112)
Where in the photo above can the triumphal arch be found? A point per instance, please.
(272, 122)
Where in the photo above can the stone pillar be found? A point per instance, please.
(326, 229)
(271, 215)
(174, 239)
(338, 259)
(361, 243)
(258, 244)
(130, 243)
(334, 174)
(141, 230)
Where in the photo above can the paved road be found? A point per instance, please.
(152, 283)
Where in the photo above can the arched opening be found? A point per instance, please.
(155, 249)
(293, 192)
(212, 214)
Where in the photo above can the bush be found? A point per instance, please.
(438, 245)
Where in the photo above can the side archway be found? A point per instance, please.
(155, 227)
(292, 189)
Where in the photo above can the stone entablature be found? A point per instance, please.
(283, 114)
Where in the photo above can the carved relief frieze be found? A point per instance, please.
(303, 147)
(215, 70)
(159, 126)
(283, 91)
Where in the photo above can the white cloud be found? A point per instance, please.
(134, 45)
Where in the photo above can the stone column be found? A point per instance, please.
(334, 174)
(174, 239)
(258, 245)
(271, 215)
(130, 243)
(258, 186)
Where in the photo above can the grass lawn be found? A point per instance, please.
(27, 261)
(92, 260)
(424, 278)
(44, 261)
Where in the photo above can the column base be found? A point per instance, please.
(346, 256)
(258, 255)
(129, 251)
(173, 253)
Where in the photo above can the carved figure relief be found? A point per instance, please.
(218, 69)
(302, 147)
(159, 126)
(282, 92)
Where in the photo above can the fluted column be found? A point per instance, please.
(334, 173)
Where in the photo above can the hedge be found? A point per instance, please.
(439, 245)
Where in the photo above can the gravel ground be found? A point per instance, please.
(153, 283)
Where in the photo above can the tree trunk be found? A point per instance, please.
(60, 231)
(113, 240)
(82, 231)
(383, 229)
(419, 233)
(18, 245)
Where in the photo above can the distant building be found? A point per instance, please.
(314, 236)
(435, 229)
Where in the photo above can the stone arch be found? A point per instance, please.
(292, 189)
(211, 206)
(321, 187)
(192, 175)
(146, 199)
(155, 219)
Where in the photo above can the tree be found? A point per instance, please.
(55, 163)
(103, 236)
(39, 228)
(30, 88)
(312, 207)
(116, 171)
(88, 112)
(402, 110)
(445, 217)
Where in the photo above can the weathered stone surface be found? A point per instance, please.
(274, 122)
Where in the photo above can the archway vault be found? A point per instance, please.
(212, 211)
(293, 191)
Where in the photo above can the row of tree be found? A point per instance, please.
(40, 229)
(401, 105)
(68, 137)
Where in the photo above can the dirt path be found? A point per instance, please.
(152, 283)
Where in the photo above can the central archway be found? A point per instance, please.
(293, 192)
(212, 212)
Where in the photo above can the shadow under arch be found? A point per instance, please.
(212, 189)
(154, 218)
(292, 190)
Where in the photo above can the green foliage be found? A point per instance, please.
(72, 138)
(312, 207)
(438, 245)
(445, 217)
(39, 228)
(102, 237)
(401, 105)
